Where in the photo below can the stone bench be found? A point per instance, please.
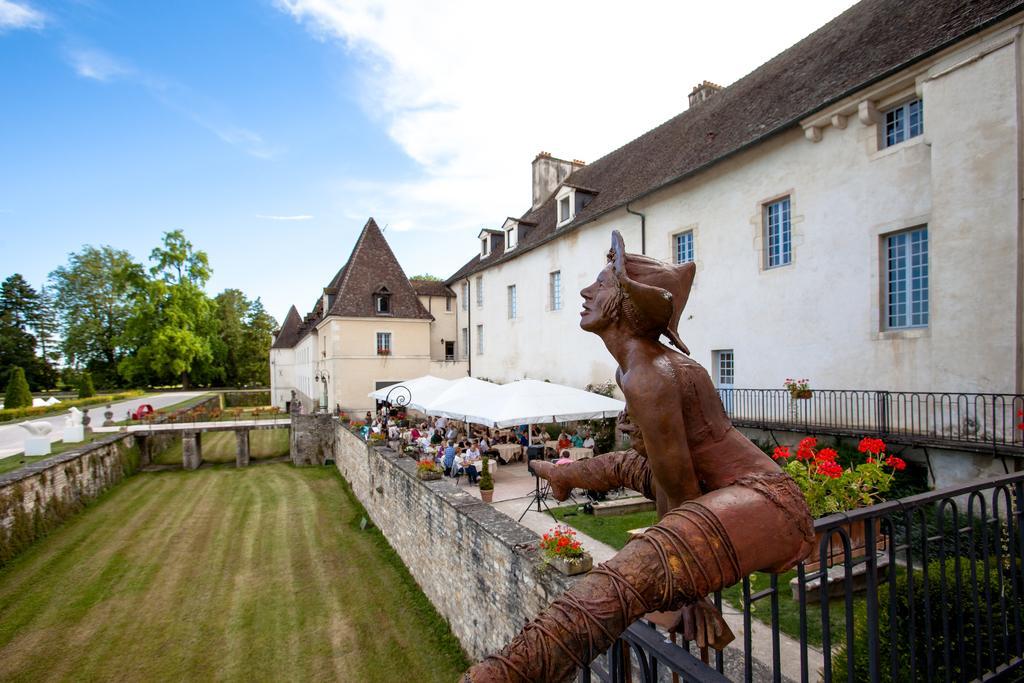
(623, 506)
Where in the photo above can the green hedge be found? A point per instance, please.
(943, 612)
(16, 413)
(246, 399)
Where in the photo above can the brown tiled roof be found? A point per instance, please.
(431, 288)
(865, 44)
(289, 333)
(373, 266)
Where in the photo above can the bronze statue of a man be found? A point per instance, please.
(725, 508)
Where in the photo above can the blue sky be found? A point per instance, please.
(269, 130)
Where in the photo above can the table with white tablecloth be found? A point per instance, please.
(508, 451)
(576, 453)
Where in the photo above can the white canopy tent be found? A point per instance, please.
(527, 401)
(423, 390)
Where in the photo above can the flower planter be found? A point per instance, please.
(585, 564)
(429, 476)
(835, 553)
(487, 495)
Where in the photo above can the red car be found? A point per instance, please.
(142, 411)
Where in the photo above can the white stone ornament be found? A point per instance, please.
(38, 443)
(74, 432)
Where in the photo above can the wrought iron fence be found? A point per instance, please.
(934, 592)
(986, 421)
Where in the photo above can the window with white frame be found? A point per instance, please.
(512, 303)
(777, 234)
(485, 246)
(903, 122)
(448, 304)
(906, 279)
(465, 296)
(479, 340)
(555, 290)
(725, 367)
(465, 342)
(682, 244)
(383, 343)
(565, 209)
(511, 238)
(479, 290)
(449, 350)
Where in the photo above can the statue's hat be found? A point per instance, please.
(658, 291)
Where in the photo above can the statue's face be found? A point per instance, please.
(599, 301)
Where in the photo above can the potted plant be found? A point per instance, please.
(428, 470)
(486, 482)
(829, 488)
(798, 388)
(411, 451)
(562, 551)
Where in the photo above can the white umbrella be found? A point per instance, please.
(423, 390)
(465, 399)
(529, 401)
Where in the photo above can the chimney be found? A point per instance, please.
(703, 91)
(548, 173)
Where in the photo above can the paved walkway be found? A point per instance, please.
(12, 437)
(513, 494)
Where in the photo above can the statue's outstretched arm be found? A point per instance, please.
(601, 473)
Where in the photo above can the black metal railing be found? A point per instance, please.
(987, 421)
(935, 592)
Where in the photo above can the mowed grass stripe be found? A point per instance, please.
(225, 574)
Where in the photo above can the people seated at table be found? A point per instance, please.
(471, 461)
(563, 442)
(577, 440)
(436, 437)
(414, 433)
(449, 458)
(394, 432)
(589, 441)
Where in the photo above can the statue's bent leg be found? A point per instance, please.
(696, 549)
(600, 473)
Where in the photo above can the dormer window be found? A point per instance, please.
(565, 213)
(489, 241)
(382, 301)
(511, 238)
(485, 247)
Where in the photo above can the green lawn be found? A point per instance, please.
(259, 574)
(221, 446)
(613, 531)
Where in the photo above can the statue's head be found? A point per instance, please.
(643, 294)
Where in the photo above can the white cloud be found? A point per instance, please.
(15, 16)
(471, 91)
(97, 65)
(300, 217)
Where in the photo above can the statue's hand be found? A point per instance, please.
(705, 625)
(560, 488)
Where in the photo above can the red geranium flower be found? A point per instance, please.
(826, 455)
(897, 464)
(832, 470)
(780, 452)
(869, 445)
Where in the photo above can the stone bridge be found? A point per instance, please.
(192, 437)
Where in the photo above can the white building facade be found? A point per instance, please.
(871, 240)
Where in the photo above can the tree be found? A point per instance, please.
(172, 324)
(254, 367)
(92, 297)
(20, 313)
(430, 278)
(17, 394)
(45, 324)
(85, 386)
(243, 339)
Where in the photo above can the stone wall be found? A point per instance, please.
(312, 439)
(38, 497)
(479, 568)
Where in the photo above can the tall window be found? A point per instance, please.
(465, 342)
(382, 301)
(448, 304)
(479, 340)
(555, 290)
(778, 239)
(383, 343)
(512, 304)
(511, 239)
(564, 207)
(906, 279)
(683, 243)
(465, 296)
(904, 122)
(479, 290)
(449, 350)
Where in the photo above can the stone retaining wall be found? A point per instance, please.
(39, 496)
(479, 568)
